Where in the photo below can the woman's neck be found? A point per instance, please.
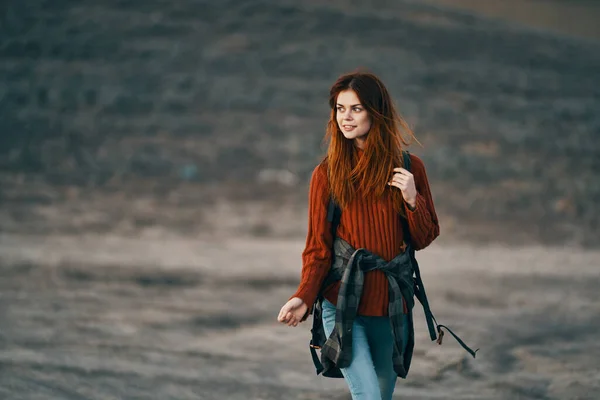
(360, 143)
(359, 150)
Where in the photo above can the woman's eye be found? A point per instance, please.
(357, 109)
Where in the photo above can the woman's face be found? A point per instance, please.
(351, 116)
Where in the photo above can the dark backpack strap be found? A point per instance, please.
(334, 213)
(420, 294)
(432, 324)
(406, 160)
(419, 288)
(405, 230)
(315, 357)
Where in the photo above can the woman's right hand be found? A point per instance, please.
(292, 312)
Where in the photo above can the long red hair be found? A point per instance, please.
(383, 146)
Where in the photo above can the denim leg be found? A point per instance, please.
(381, 342)
(360, 375)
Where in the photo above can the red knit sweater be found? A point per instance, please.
(369, 223)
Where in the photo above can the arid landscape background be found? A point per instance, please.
(154, 163)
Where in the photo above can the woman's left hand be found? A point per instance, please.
(405, 181)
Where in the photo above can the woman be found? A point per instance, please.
(363, 172)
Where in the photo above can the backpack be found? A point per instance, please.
(318, 337)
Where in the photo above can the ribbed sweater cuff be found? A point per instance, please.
(420, 205)
(308, 296)
(419, 219)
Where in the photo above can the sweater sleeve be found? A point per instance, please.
(316, 257)
(423, 220)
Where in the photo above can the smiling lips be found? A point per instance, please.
(349, 127)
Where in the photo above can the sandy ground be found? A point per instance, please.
(107, 317)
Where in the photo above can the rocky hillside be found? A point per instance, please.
(136, 97)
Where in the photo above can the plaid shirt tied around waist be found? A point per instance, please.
(349, 266)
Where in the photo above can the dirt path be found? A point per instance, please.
(114, 318)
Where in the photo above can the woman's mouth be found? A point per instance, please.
(348, 128)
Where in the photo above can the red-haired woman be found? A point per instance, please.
(363, 172)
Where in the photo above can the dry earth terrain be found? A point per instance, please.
(154, 161)
(104, 317)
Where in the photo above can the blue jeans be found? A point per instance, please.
(370, 375)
